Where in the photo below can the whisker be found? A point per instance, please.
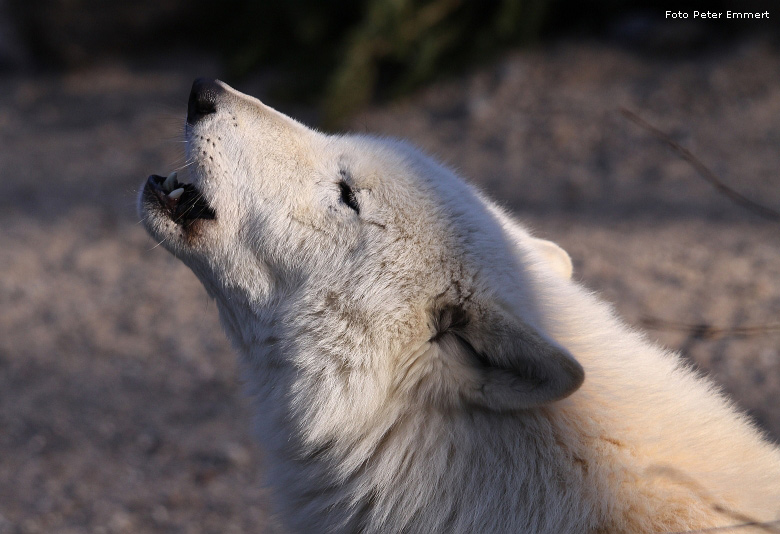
(185, 165)
(157, 245)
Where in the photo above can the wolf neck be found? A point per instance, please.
(346, 455)
(363, 462)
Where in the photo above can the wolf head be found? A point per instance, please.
(351, 256)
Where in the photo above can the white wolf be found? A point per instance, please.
(420, 363)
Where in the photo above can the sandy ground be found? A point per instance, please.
(121, 408)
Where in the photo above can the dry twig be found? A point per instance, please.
(675, 475)
(706, 331)
(703, 170)
(771, 526)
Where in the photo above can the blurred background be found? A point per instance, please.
(121, 406)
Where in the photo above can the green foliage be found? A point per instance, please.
(340, 54)
(348, 54)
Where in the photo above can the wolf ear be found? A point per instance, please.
(495, 360)
(558, 258)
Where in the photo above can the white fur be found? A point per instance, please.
(417, 367)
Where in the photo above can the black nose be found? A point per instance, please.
(203, 99)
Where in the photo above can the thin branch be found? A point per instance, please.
(675, 475)
(706, 331)
(703, 170)
(770, 526)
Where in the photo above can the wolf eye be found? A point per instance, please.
(348, 196)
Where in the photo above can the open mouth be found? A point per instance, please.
(183, 203)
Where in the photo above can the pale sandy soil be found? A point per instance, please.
(121, 407)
